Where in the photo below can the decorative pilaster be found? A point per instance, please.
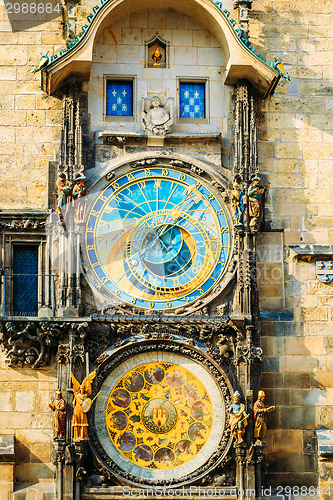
(71, 163)
(245, 150)
(59, 448)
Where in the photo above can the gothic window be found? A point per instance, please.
(25, 280)
(192, 100)
(119, 98)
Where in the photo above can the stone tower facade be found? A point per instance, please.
(261, 316)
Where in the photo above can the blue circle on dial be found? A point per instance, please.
(157, 238)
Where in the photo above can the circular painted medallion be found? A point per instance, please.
(160, 416)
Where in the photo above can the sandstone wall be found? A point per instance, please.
(295, 152)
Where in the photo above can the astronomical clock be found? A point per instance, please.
(158, 240)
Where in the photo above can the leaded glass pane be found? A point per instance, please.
(119, 98)
(192, 100)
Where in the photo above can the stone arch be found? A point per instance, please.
(241, 64)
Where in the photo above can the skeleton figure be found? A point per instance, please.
(156, 117)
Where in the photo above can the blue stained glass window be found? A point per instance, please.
(192, 100)
(25, 280)
(119, 98)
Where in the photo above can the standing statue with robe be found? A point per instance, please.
(60, 412)
(260, 417)
(238, 418)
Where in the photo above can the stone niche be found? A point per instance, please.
(191, 54)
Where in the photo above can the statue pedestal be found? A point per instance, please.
(155, 140)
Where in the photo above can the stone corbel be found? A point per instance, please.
(35, 343)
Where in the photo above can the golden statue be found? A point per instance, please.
(157, 56)
(82, 406)
(260, 417)
(60, 411)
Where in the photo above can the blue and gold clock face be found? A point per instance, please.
(157, 238)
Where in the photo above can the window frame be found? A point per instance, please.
(9, 240)
(194, 80)
(119, 78)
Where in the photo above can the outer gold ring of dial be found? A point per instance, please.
(158, 238)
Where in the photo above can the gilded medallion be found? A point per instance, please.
(159, 415)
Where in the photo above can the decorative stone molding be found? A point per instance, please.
(35, 343)
(22, 221)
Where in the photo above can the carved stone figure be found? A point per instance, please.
(156, 117)
(79, 192)
(60, 412)
(238, 418)
(237, 202)
(260, 417)
(255, 194)
(225, 346)
(81, 395)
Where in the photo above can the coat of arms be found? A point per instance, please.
(324, 270)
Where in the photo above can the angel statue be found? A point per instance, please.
(82, 406)
(156, 117)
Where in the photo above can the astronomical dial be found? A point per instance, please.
(158, 238)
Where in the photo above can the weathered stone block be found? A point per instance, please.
(13, 55)
(186, 56)
(24, 401)
(22, 453)
(296, 363)
(33, 472)
(6, 472)
(40, 453)
(287, 441)
(311, 397)
(6, 401)
(271, 380)
(201, 38)
(131, 36)
(36, 118)
(45, 101)
(139, 19)
(15, 420)
(182, 38)
(210, 57)
(175, 20)
(326, 417)
(30, 436)
(281, 397)
(297, 380)
(157, 19)
(299, 417)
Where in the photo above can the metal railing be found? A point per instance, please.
(7, 282)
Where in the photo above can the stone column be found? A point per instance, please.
(59, 457)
